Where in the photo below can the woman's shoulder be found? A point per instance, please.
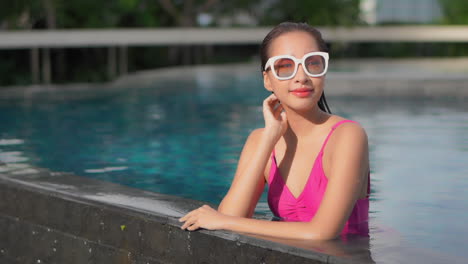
(253, 138)
(337, 121)
(255, 134)
(347, 147)
(347, 129)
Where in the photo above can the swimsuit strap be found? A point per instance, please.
(273, 156)
(333, 129)
(328, 137)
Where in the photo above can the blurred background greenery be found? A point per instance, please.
(89, 64)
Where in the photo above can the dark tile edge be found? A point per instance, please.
(76, 210)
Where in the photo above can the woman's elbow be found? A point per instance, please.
(320, 234)
(230, 210)
(222, 208)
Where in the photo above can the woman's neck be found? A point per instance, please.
(301, 124)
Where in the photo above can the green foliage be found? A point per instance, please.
(83, 13)
(108, 14)
(13, 13)
(454, 11)
(314, 12)
(151, 13)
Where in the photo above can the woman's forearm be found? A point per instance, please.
(285, 230)
(253, 169)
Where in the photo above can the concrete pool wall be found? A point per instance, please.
(51, 217)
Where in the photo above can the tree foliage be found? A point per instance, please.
(37, 14)
(454, 11)
(314, 12)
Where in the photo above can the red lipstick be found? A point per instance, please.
(302, 92)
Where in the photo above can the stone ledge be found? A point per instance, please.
(398, 78)
(101, 222)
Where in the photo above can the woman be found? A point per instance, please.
(313, 199)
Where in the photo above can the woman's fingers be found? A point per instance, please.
(183, 218)
(203, 217)
(278, 111)
(190, 222)
(270, 100)
(284, 118)
(193, 227)
(186, 224)
(187, 216)
(269, 104)
(191, 219)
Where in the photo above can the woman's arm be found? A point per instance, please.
(249, 179)
(348, 173)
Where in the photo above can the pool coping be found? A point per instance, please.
(425, 83)
(106, 217)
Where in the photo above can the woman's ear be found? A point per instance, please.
(266, 82)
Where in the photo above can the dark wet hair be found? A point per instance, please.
(287, 27)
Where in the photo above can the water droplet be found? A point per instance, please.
(90, 249)
(139, 234)
(38, 261)
(48, 229)
(84, 242)
(54, 249)
(55, 241)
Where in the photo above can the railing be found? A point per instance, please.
(43, 40)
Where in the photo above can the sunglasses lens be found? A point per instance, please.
(315, 64)
(284, 67)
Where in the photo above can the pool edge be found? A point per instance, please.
(43, 216)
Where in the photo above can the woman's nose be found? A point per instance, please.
(301, 76)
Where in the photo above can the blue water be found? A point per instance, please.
(184, 136)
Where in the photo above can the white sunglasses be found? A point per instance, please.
(315, 64)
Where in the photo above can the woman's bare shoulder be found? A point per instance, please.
(251, 142)
(254, 136)
(348, 150)
(348, 134)
(348, 128)
(351, 130)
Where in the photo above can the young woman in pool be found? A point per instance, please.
(313, 199)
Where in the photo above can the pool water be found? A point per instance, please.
(183, 136)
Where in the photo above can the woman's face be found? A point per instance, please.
(301, 92)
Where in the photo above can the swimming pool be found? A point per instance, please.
(181, 134)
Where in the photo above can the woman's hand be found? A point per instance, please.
(203, 217)
(276, 122)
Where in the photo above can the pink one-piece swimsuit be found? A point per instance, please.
(286, 207)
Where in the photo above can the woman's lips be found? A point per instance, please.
(302, 92)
